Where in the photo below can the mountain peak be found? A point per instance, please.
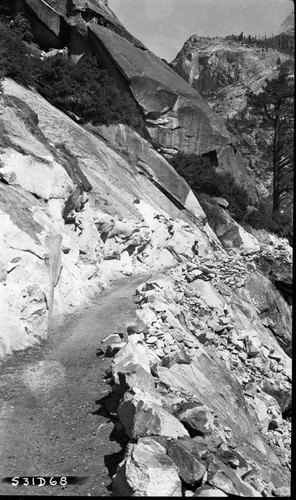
(287, 25)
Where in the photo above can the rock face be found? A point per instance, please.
(147, 472)
(223, 70)
(202, 376)
(209, 65)
(177, 118)
(53, 258)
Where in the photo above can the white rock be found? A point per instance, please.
(209, 294)
(130, 354)
(151, 340)
(147, 471)
(142, 415)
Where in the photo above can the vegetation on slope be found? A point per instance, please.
(202, 177)
(15, 61)
(84, 89)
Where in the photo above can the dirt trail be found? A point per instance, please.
(51, 423)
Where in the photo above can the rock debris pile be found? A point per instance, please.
(198, 396)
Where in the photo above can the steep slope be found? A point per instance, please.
(60, 245)
(288, 25)
(223, 70)
(48, 224)
(176, 116)
(211, 65)
(202, 375)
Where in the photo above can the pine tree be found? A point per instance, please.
(274, 106)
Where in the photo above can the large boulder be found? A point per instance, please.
(190, 469)
(142, 415)
(147, 471)
(196, 418)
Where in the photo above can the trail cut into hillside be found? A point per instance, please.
(51, 421)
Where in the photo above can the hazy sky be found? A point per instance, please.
(164, 25)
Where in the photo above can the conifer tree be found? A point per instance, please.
(274, 106)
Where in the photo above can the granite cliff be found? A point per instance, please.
(222, 70)
(176, 116)
(202, 376)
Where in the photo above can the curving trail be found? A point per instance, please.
(51, 423)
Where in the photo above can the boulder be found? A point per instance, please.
(282, 394)
(232, 235)
(190, 470)
(197, 446)
(179, 355)
(283, 491)
(224, 478)
(197, 419)
(252, 344)
(233, 459)
(128, 358)
(147, 471)
(142, 415)
(111, 339)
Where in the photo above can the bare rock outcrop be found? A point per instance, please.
(202, 377)
(84, 214)
(211, 64)
(222, 70)
(176, 117)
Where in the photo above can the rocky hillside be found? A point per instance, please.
(288, 25)
(211, 64)
(176, 116)
(201, 409)
(223, 70)
(54, 236)
(202, 377)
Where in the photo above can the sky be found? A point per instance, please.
(164, 25)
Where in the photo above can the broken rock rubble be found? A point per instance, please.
(175, 322)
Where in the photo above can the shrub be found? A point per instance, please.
(22, 27)
(202, 177)
(14, 60)
(88, 91)
(84, 89)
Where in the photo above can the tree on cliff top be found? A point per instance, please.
(274, 106)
